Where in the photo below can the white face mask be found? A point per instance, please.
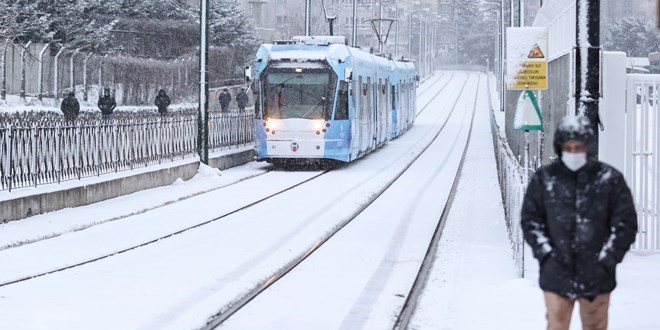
(574, 161)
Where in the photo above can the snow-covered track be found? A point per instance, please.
(9, 277)
(81, 227)
(406, 313)
(229, 310)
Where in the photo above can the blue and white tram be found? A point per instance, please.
(319, 99)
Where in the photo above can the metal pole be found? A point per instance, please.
(419, 50)
(3, 88)
(587, 68)
(396, 36)
(502, 59)
(203, 116)
(513, 14)
(521, 7)
(85, 76)
(55, 73)
(72, 85)
(40, 74)
(308, 16)
(354, 34)
(22, 92)
(380, 26)
(410, 37)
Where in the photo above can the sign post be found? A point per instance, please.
(527, 70)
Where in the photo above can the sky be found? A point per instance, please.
(354, 281)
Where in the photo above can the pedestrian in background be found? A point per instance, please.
(70, 107)
(579, 218)
(224, 98)
(107, 105)
(162, 101)
(242, 99)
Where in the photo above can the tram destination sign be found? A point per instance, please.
(527, 63)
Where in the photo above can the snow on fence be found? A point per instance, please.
(512, 186)
(33, 153)
(642, 156)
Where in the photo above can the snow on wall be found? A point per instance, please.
(559, 17)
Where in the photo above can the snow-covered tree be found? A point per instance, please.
(635, 36)
(229, 26)
(476, 34)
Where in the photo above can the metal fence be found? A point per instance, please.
(512, 185)
(642, 156)
(34, 153)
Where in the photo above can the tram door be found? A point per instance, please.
(375, 117)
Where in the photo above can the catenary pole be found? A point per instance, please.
(587, 68)
(355, 20)
(308, 16)
(203, 116)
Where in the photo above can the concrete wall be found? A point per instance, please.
(25, 206)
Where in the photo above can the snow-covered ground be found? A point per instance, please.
(178, 282)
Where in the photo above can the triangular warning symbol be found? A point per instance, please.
(527, 115)
(536, 52)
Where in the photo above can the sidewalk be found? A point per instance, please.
(474, 285)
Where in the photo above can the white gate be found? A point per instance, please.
(642, 160)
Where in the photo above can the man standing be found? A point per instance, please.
(162, 101)
(70, 107)
(224, 100)
(242, 99)
(579, 218)
(107, 105)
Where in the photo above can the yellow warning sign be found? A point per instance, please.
(536, 52)
(526, 62)
(532, 75)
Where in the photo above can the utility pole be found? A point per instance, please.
(587, 68)
(410, 37)
(203, 115)
(396, 35)
(355, 21)
(521, 14)
(308, 16)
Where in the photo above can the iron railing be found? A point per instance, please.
(38, 152)
(512, 185)
(642, 156)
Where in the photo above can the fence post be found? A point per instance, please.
(40, 82)
(85, 77)
(72, 84)
(3, 88)
(55, 73)
(22, 92)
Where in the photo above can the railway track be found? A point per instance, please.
(9, 280)
(405, 315)
(235, 306)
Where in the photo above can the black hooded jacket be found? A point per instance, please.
(70, 107)
(578, 224)
(162, 101)
(107, 104)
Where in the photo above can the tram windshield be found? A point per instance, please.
(308, 94)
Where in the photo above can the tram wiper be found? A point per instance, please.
(313, 108)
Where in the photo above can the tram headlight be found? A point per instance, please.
(272, 125)
(318, 124)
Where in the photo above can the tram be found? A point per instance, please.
(319, 99)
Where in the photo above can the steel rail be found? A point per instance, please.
(408, 308)
(25, 278)
(230, 309)
(124, 216)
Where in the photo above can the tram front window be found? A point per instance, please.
(307, 95)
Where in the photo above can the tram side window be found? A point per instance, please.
(342, 103)
(393, 97)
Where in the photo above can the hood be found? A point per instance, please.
(161, 92)
(572, 128)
